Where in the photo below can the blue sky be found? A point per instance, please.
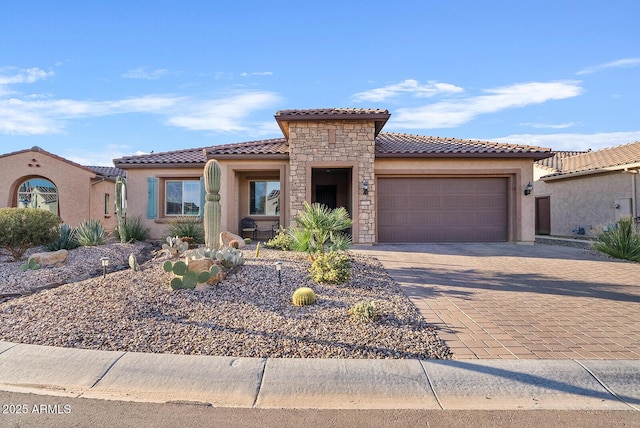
(92, 81)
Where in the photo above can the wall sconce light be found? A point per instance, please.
(365, 187)
(279, 270)
(528, 189)
(105, 265)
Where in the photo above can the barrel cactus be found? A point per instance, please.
(303, 296)
(212, 210)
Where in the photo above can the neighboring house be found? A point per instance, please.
(576, 193)
(396, 187)
(35, 178)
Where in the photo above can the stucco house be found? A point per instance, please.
(578, 192)
(396, 187)
(35, 178)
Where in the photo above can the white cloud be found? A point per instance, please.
(142, 73)
(621, 63)
(449, 114)
(102, 157)
(12, 76)
(257, 73)
(551, 125)
(410, 86)
(573, 141)
(224, 115)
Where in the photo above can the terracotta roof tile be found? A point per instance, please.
(329, 112)
(554, 163)
(275, 146)
(177, 157)
(611, 157)
(396, 145)
(108, 171)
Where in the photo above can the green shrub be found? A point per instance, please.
(91, 233)
(186, 227)
(23, 228)
(622, 241)
(134, 230)
(319, 229)
(331, 268)
(282, 241)
(66, 239)
(364, 311)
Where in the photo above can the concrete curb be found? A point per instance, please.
(322, 383)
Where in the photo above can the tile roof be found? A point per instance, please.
(554, 163)
(276, 147)
(330, 112)
(402, 145)
(108, 172)
(594, 161)
(184, 157)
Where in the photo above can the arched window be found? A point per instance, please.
(38, 193)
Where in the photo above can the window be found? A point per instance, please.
(264, 198)
(38, 193)
(106, 204)
(182, 197)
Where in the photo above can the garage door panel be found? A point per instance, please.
(442, 209)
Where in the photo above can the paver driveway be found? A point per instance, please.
(521, 301)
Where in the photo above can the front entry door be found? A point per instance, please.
(543, 215)
(327, 195)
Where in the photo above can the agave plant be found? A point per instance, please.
(621, 241)
(319, 229)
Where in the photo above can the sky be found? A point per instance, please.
(94, 80)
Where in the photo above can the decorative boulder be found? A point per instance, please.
(203, 265)
(54, 258)
(227, 237)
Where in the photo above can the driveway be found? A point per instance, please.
(521, 301)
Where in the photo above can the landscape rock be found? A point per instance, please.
(53, 258)
(227, 237)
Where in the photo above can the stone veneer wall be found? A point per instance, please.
(340, 142)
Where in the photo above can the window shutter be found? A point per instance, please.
(152, 197)
(202, 197)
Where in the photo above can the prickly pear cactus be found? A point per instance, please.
(185, 279)
(303, 296)
(212, 210)
(121, 207)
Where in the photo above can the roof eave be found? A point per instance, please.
(560, 176)
(534, 156)
(159, 165)
(379, 119)
(249, 156)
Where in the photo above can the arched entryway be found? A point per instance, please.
(38, 192)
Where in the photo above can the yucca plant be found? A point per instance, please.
(134, 230)
(66, 240)
(621, 241)
(186, 227)
(90, 233)
(319, 229)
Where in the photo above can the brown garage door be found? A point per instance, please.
(442, 209)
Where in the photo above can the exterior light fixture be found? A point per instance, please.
(279, 270)
(528, 189)
(365, 187)
(105, 265)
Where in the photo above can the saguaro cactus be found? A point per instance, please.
(212, 205)
(121, 207)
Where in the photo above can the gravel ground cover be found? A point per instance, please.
(247, 315)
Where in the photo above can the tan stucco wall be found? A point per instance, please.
(587, 201)
(78, 200)
(518, 171)
(137, 194)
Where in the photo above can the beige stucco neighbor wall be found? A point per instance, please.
(588, 201)
(336, 144)
(81, 196)
(519, 172)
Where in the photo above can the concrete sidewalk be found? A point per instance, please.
(322, 383)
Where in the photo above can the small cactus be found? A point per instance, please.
(364, 311)
(234, 244)
(258, 250)
(303, 296)
(185, 279)
(175, 246)
(30, 265)
(247, 241)
(133, 263)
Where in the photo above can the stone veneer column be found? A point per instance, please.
(340, 142)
